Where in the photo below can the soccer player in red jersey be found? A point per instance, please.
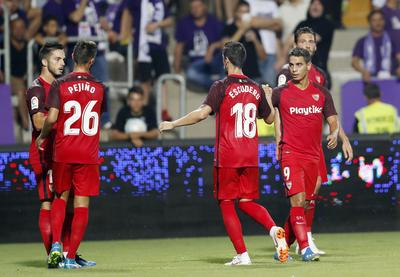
(237, 101)
(76, 103)
(302, 105)
(52, 57)
(306, 38)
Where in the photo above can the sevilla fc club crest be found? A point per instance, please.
(316, 97)
(288, 185)
(318, 79)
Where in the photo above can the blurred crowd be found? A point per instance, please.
(200, 29)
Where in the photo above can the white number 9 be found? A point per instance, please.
(286, 173)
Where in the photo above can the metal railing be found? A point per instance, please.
(6, 44)
(129, 61)
(182, 97)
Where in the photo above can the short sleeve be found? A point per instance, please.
(104, 107)
(329, 106)
(275, 97)
(35, 98)
(53, 100)
(283, 77)
(215, 96)
(358, 50)
(120, 121)
(263, 109)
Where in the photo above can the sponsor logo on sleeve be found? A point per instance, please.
(282, 79)
(34, 103)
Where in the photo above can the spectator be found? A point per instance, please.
(391, 14)
(266, 19)
(49, 30)
(198, 36)
(240, 30)
(135, 122)
(18, 52)
(374, 55)
(225, 9)
(377, 117)
(83, 18)
(150, 42)
(54, 8)
(324, 28)
(291, 12)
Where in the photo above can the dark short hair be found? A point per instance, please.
(49, 18)
(242, 3)
(373, 12)
(84, 51)
(135, 90)
(372, 91)
(235, 52)
(47, 48)
(304, 30)
(300, 52)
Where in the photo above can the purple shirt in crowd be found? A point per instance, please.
(52, 8)
(87, 25)
(358, 51)
(198, 38)
(157, 11)
(392, 23)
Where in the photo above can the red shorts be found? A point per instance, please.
(81, 179)
(299, 175)
(236, 183)
(43, 181)
(323, 173)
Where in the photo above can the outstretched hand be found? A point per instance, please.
(267, 90)
(166, 126)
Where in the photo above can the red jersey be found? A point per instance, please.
(301, 113)
(316, 75)
(237, 101)
(79, 98)
(36, 97)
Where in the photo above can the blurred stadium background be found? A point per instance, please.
(164, 189)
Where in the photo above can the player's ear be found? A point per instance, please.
(91, 62)
(44, 63)
(309, 65)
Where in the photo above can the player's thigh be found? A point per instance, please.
(43, 182)
(311, 172)
(226, 183)
(249, 188)
(62, 177)
(322, 171)
(86, 179)
(293, 176)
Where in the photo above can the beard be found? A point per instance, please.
(55, 73)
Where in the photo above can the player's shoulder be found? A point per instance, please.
(36, 86)
(321, 88)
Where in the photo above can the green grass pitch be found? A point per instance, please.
(348, 254)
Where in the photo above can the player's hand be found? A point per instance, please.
(151, 27)
(39, 142)
(347, 151)
(166, 126)
(268, 91)
(332, 141)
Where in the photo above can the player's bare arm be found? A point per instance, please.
(268, 95)
(47, 126)
(277, 127)
(191, 118)
(346, 146)
(38, 120)
(334, 127)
